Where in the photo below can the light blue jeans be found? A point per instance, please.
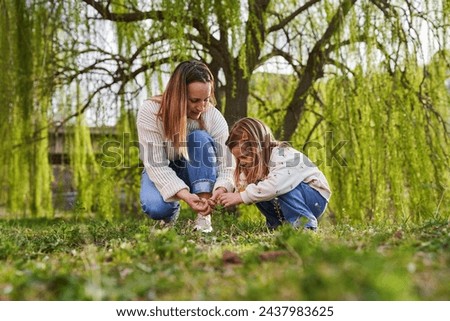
(302, 201)
(200, 174)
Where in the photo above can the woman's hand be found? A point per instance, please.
(230, 199)
(198, 204)
(203, 207)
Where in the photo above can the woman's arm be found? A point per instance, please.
(218, 129)
(153, 153)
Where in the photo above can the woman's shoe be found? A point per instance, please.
(203, 224)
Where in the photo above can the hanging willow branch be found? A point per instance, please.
(121, 76)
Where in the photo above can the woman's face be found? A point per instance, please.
(199, 94)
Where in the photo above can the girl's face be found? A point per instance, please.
(199, 94)
(245, 160)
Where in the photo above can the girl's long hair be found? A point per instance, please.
(174, 101)
(256, 142)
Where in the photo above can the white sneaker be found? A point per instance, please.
(203, 224)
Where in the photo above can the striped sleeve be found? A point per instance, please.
(153, 153)
(218, 129)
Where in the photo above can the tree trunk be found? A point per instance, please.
(296, 106)
(313, 71)
(236, 95)
(292, 119)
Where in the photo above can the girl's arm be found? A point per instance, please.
(230, 199)
(288, 168)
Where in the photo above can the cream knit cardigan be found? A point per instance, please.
(156, 151)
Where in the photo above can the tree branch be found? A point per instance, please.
(122, 78)
(313, 71)
(286, 56)
(292, 16)
(105, 13)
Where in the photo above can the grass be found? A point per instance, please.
(135, 259)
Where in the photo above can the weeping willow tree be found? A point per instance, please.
(26, 57)
(382, 117)
(358, 72)
(394, 164)
(312, 40)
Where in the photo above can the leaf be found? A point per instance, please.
(229, 257)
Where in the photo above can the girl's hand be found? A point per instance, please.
(230, 199)
(215, 196)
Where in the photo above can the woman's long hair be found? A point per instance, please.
(256, 142)
(174, 101)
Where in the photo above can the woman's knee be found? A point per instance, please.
(202, 149)
(159, 210)
(200, 137)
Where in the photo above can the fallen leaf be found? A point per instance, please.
(229, 257)
(398, 234)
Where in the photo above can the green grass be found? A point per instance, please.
(134, 259)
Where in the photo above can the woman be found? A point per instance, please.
(182, 140)
(285, 185)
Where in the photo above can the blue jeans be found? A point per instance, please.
(199, 173)
(302, 201)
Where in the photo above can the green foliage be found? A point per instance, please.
(392, 138)
(26, 60)
(83, 164)
(355, 82)
(133, 259)
(128, 173)
(380, 139)
(269, 93)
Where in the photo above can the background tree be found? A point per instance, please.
(26, 51)
(313, 38)
(355, 69)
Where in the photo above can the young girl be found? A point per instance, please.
(283, 183)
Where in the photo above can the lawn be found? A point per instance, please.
(134, 258)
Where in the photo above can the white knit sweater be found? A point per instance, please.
(288, 168)
(156, 152)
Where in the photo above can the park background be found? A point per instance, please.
(361, 87)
